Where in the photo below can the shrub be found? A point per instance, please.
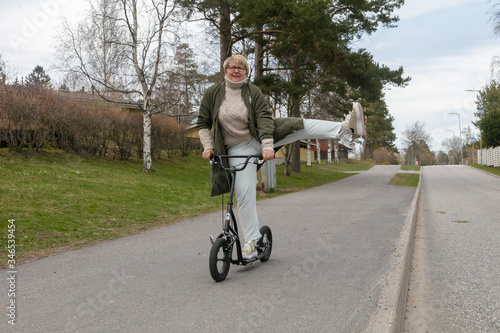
(35, 117)
(167, 134)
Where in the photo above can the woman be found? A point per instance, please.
(243, 125)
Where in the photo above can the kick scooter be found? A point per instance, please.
(221, 254)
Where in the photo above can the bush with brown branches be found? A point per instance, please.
(36, 118)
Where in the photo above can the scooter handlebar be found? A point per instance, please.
(214, 158)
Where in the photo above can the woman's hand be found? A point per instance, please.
(206, 154)
(268, 155)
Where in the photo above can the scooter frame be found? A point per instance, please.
(219, 263)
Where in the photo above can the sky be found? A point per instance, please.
(445, 46)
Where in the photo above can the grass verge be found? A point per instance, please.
(487, 169)
(410, 167)
(405, 179)
(61, 202)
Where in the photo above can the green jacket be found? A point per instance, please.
(262, 124)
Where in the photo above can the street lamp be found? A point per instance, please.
(460, 133)
(452, 131)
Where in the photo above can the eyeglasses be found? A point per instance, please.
(233, 68)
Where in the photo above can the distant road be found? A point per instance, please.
(455, 283)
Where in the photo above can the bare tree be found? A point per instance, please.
(416, 143)
(495, 18)
(453, 147)
(121, 48)
(94, 47)
(415, 133)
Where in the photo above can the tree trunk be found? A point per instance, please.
(186, 95)
(225, 35)
(296, 156)
(259, 53)
(308, 153)
(147, 157)
(295, 112)
(288, 155)
(336, 149)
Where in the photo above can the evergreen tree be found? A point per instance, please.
(38, 77)
(218, 13)
(180, 87)
(312, 44)
(380, 127)
(305, 46)
(488, 114)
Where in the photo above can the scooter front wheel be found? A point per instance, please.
(265, 243)
(220, 260)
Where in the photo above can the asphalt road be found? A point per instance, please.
(332, 252)
(455, 280)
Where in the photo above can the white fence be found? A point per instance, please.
(489, 157)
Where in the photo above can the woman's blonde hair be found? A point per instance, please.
(237, 58)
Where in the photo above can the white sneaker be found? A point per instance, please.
(357, 120)
(344, 128)
(249, 250)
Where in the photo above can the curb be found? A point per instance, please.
(391, 308)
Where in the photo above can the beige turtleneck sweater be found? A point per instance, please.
(234, 120)
(233, 115)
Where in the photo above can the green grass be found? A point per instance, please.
(410, 167)
(405, 179)
(62, 202)
(487, 169)
(314, 175)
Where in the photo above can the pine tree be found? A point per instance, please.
(38, 77)
(488, 114)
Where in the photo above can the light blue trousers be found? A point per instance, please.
(246, 180)
(313, 129)
(245, 188)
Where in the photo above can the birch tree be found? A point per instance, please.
(121, 48)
